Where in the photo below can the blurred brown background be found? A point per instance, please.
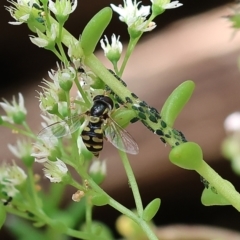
(190, 42)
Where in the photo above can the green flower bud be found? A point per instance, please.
(94, 30)
(66, 77)
(187, 155)
(53, 109)
(1, 120)
(112, 51)
(19, 117)
(151, 209)
(176, 101)
(133, 33)
(157, 10)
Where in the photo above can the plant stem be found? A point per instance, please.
(119, 207)
(130, 48)
(88, 214)
(221, 185)
(132, 182)
(31, 182)
(82, 92)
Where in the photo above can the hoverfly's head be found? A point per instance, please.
(104, 99)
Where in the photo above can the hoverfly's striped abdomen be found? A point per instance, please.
(92, 134)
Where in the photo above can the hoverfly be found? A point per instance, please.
(100, 125)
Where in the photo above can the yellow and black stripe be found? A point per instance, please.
(92, 136)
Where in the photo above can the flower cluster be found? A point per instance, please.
(16, 112)
(135, 18)
(11, 177)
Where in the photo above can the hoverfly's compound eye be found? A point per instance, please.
(98, 97)
(104, 99)
(108, 101)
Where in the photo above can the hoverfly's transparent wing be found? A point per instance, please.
(120, 138)
(61, 128)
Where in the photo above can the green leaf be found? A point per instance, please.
(210, 197)
(151, 209)
(176, 101)
(94, 30)
(187, 155)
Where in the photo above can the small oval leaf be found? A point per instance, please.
(151, 209)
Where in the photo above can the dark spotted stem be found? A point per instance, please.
(148, 115)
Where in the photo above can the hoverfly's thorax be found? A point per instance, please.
(101, 106)
(99, 109)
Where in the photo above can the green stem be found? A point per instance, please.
(31, 182)
(88, 214)
(100, 70)
(18, 130)
(119, 207)
(82, 92)
(82, 235)
(132, 181)
(54, 50)
(68, 103)
(16, 212)
(221, 185)
(59, 44)
(115, 68)
(130, 48)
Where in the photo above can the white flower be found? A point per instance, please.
(11, 176)
(74, 52)
(64, 76)
(166, 4)
(21, 150)
(113, 51)
(98, 170)
(21, 10)
(55, 170)
(62, 8)
(46, 40)
(49, 119)
(130, 14)
(44, 148)
(16, 112)
(98, 166)
(145, 26)
(232, 122)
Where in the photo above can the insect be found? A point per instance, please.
(100, 125)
